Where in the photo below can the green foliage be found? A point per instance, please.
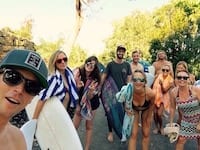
(174, 28)
(134, 32)
(46, 48)
(26, 29)
(183, 43)
(77, 57)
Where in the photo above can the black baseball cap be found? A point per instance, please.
(121, 47)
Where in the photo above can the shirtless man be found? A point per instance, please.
(135, 65)
(161, 60)
(22, 75)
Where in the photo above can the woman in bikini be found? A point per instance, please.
(142, 101)
(187, 98)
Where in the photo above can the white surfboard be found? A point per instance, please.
(55, 130)
(197, 83)
(28, 129)
(151, 70)
(150, 75)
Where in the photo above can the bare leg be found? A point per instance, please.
(77, 117)
(160, 115)
(146, 125)
(133, 137)
(38, 109)
(110, 134)
(198, 141)
(155, 116)
(180, 143)
(89, 130)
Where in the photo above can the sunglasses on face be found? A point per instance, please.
(12, 78)
(165, 70)
(62, 59)
(182, 77)
(90, 64)
(138, 80)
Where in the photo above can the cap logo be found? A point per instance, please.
(33, 60)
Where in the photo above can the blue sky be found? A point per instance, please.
(55, 18)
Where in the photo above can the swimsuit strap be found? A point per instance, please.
(190, 92)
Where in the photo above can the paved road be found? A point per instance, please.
(100, 142)
(157, 142)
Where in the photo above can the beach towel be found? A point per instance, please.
(160, 97)
(86, 109)
(125, 95)
(114, 109)
(73, 93)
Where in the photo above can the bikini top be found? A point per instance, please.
(190, 93)
(144, 107)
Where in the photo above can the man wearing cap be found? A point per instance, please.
(120, 71)
(23, 74)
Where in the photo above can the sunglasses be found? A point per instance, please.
(60, 60)
(138, 79)
(165, 70)
(90, 64)
(12, 78)
(182, 77)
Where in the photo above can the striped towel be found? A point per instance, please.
(72, 87)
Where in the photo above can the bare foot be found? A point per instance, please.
(155, 131)
(162, 131)
(110, 137)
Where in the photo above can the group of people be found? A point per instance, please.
(22, 79)
(170, 91)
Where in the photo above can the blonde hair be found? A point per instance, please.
(52, 61)
(183, 63)
(161, 51)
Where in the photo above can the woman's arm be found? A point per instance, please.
(92, 91)
(196, 92)
(173, 105)
(38, 108)
(152, 98)
(165, 87)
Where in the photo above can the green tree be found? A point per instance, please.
(26, 29)
(46, 48)
(77, 57)
(183, 42)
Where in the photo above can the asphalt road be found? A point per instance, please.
(99, 140)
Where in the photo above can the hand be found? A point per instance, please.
(93, 87)
(160, 82)
(79, 83)
(129, 112)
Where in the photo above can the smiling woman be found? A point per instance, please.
(87, 78)
(142, 99)
(186, 98)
